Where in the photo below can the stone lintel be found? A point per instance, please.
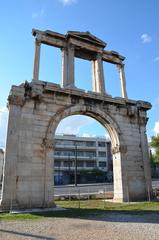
(49, 38)
(85, 45)
(35, 32)
(108, 56)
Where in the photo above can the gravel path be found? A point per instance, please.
(105, 227)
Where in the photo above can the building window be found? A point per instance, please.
(102, 164)
(67, 164)
(80, 153)
(91, 164)
(90, 154)
(90, 144)
(86, 154)
(64, 153)
(79, 143)
(80, 164)
(101, 144)
(63, 142)
(57, 153)
(102, 154)
(68, 153)
(57, 164)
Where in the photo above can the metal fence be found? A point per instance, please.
(102, 191)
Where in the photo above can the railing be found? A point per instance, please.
(73, 168)
(73, 157)
(73, 146)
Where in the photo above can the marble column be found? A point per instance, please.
(122, 80)
(36, 60)
(70, 66)
(94, 79)
(99, 73)
(64, 67)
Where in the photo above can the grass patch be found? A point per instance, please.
(109, 206)
(12, 216)
(87, 209)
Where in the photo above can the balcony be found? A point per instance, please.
(73, 158)
(62, 168)
(73, 147)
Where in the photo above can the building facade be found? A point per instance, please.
(83, 155)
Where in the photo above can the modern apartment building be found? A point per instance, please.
(80, 154)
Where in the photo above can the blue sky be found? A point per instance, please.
(129, 27)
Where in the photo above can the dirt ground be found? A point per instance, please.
(106, 227)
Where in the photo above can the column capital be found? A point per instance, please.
(65, 48)
(70, 46)
(37, 42)
(99, 55)
(120, 66)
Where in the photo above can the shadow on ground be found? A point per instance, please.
(105, 215)
(22, 234)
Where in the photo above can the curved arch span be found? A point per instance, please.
(105, 119)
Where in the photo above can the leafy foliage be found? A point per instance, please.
(155, 144)
(94, 172)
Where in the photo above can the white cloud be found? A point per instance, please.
(156, 128)
(94, 135)
(77, 123)
(146, 38)
(156, 59)
(3, 125)
(68, 2)
(73, 124)
(88, 135)
(38, 14)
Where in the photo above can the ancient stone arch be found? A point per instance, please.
(36, 108)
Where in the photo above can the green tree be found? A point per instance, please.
(155, 144)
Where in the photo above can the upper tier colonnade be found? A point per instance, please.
(81, 45)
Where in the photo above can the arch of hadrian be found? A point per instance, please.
(36, 108)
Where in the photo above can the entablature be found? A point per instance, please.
(86, 45)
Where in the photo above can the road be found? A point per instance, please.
(89, 188)
(83, 189)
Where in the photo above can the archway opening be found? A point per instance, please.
(82, 152)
